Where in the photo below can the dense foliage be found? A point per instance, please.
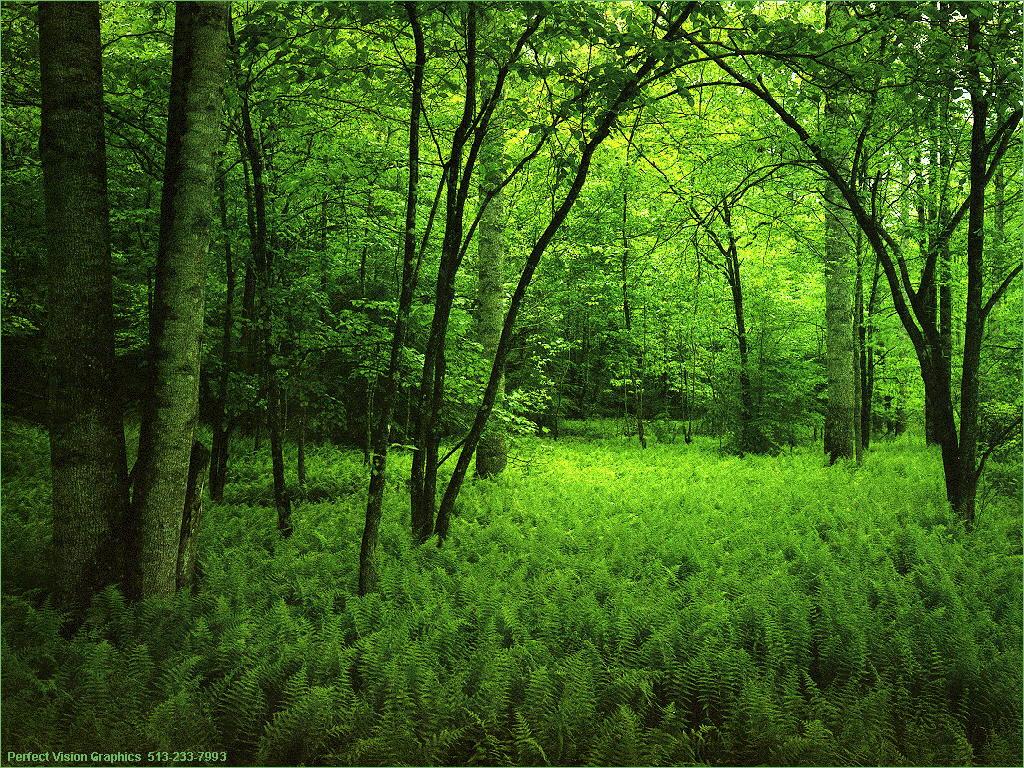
(513, 382)
(593, 608)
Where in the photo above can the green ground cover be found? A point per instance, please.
(597, 604)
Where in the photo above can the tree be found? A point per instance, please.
(87, 446)
(492, 453)
(629, 85)
(389, 389)
(961, 467)
(171, 406)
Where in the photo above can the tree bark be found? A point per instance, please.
(221, 427)
(192, 513)
(623, 97)
(839, 349)
(389, 386)
(840, 412)
(423, 479)
(171, 408)
(748, 441)
(264, 341)
(974, 325)
(87, 446)
(634, 373)
(492, 453)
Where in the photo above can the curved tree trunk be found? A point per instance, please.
(87, 447)
(171, 408)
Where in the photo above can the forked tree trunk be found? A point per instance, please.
(171, 407)
(87, 447)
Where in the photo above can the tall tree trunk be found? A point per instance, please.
(840, 411)
(300, 462)
(492, 453)
(389, 386)
(171, 407)
(974, 327)
(632, 374)
(221, 426)
(858, 360)
(263, 268)
(867, 356)
(425, 457)
(627, 92)
(87, 446)
(748, 440)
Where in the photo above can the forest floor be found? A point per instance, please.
(598, 603)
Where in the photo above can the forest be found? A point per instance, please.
(512, 383)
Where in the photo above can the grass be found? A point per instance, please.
(595, 604)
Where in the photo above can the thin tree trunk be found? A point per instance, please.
(858, 360)
(263, 263)
(867, 373)
(171, 408)
(221, 428)
(839, 348)
(748, 441)
(625, 96)
(492, 453)
(87, 446)
(389, 387)
(425, 458)
(634, 375)
(974, 328)
(300, 468)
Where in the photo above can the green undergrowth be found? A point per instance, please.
(598, 604)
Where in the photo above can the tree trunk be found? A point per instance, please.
(221, 428)
(748, 440)
(974, 327)
(492, 453)
(87, 447)
(858, 360)
(191, 516)
(389, 386)
(840, 413)
(425, 458)
(867, 356)
(632, 374)
(263, 268)
(300, 468)
(839, 348)
(625, 96)
(170, 410)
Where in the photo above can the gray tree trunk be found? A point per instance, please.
(87, 448)
(170, 412)
(841, 411)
